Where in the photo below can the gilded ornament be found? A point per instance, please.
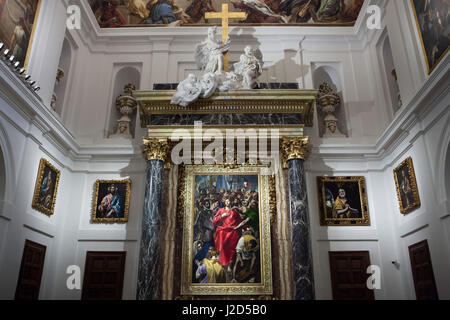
(294, 148)
(156, 149)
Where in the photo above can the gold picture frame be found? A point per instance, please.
(20, 14)
(46, 188)
(111, 201)
(424, 45)
(30, 43)
(333, 202)
(189, 199)
(406, 187)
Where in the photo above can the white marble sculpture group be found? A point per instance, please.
(210, 58)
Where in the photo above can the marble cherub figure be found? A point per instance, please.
(250, 67)
(188, 91)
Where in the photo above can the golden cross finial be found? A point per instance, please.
(225, 15)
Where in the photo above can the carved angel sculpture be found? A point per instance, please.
(209, 84)
(209, 53)
(249, 67)
(187, 91)
(232, 82)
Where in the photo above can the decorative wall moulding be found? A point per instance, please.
(288, 101)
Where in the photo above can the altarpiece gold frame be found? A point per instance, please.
(265, 287)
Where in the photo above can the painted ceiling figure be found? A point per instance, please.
(197, 9)
(259, 12)
(181, 14)
(161, 12)
(138, 7)
(328, 10)
(300, 11)
(109, 16)
(350, 9)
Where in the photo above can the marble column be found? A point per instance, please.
(149, 272)
(294, 153)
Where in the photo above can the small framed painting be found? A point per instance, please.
(46, 188)
(432, 23)
(343, 201)
(406, 185)
(18, 23)
(111, 201)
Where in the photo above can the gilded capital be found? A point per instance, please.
(294, 148)
(156, 149)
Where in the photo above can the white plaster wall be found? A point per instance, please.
(26, 136)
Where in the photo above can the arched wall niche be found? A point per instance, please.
(124, 75)
(331, 75)
(62, 76)
(390, 81)
(442, 165)
(7, 169)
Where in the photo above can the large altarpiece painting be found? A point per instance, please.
(226, 237)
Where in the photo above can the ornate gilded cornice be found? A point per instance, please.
(156, 149)
(281, 101)
(294, 148)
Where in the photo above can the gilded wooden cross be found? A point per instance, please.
(225, 15)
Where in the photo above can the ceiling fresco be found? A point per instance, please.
(159, 13)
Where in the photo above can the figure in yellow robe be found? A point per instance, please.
(138, 8)
(341, 208)
(210, 270)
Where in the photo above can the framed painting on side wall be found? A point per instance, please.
(343, 201)
(18, 19)
(111, 201)
(46, 188)
(433, 24)
(406, 185)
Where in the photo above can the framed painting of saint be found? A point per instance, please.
(406, 185)
(18, 21)
(111, 201)
(46, 188)
(343, 201)
(433, 23)
(226, 231)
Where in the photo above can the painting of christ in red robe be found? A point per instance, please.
(228, 225)
(226, 229)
